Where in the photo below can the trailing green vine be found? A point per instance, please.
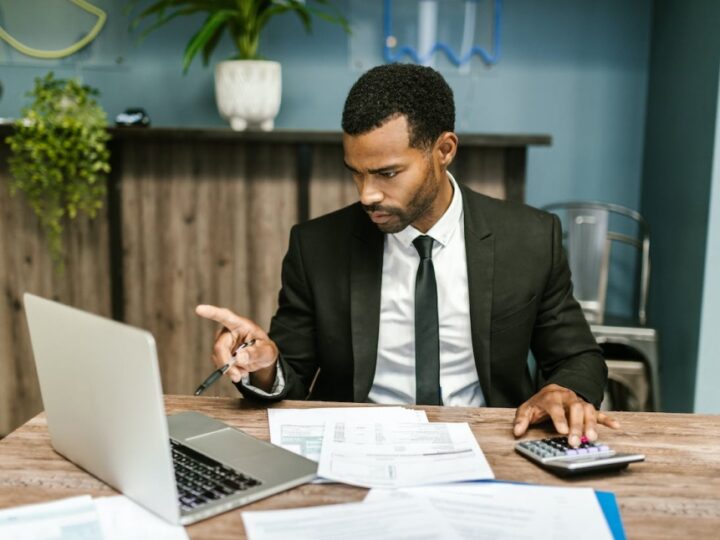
(59, 155)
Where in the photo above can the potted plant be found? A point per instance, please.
(59, 157)
(247, 87)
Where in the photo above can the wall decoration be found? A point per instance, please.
(67, 51)
(428, 45)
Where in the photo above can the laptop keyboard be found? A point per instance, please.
(201, 479)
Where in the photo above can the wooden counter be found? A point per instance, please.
(192, 215)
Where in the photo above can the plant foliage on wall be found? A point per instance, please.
(59, 155)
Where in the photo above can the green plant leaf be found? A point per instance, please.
(212, 43)
(201, 38)
(245, 21)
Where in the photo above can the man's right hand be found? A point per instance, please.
(260, 360)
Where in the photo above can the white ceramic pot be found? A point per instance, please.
(248, 93)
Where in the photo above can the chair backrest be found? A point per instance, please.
(589, 237)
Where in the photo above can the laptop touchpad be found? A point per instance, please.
(229, 445)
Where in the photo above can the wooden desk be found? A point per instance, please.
(675, 493)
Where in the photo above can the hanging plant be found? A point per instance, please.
(59, 155)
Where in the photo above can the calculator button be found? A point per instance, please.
(571, 452)
(582, 450)
(604, 448)
(593, 450)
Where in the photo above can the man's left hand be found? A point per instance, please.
(570, 414)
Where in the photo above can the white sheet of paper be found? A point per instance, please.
(406, 519)
(401, 454)
(489, 510)
(301, 430)
(121, 518)
(74, 518)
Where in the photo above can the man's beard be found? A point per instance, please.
(418, 206)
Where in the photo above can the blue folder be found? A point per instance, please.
(612, 513)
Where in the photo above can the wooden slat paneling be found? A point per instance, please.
(481, 169)
(202, 227)
(203, 217)
(494, 171)
(331, 185)
(25, 266)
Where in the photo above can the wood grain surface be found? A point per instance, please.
(206, 228)
(675, 493)
(26, 266)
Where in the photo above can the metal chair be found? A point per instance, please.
(590, 230)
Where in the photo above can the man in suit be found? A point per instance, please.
(424, 291)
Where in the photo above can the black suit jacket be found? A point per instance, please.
(520, 299)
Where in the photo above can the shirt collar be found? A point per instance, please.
(444, 228)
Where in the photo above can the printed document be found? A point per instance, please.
(490, 510)
(67, 519)
(401, 454)
(301, 430)
(121, 519)
(400, 519)
(84, 518)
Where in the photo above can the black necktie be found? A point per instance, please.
(427, 340)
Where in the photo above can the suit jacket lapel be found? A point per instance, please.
(479, 250)
(366, 259)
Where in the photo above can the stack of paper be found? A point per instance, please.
(400, 519)
(380, 446)
(495, 510)
(392, 447)
(486, 510)
(82, 518)
(301, 430)
(397, 455)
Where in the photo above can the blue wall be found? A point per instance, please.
(682, 116)
(576, 69)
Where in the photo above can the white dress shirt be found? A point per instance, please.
(394, 381)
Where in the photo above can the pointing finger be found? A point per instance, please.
(221, 315)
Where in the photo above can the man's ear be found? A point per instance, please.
(445, 149)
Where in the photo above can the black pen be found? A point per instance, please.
(219, 372)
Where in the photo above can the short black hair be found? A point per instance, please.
(385, 92)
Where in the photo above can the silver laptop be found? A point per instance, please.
(100, 386)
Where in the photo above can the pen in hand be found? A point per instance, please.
(219, 372)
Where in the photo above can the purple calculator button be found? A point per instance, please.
(582, 450)
(571, 452)
(593, 450)
(604, 448)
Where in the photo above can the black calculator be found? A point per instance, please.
(557, 456)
